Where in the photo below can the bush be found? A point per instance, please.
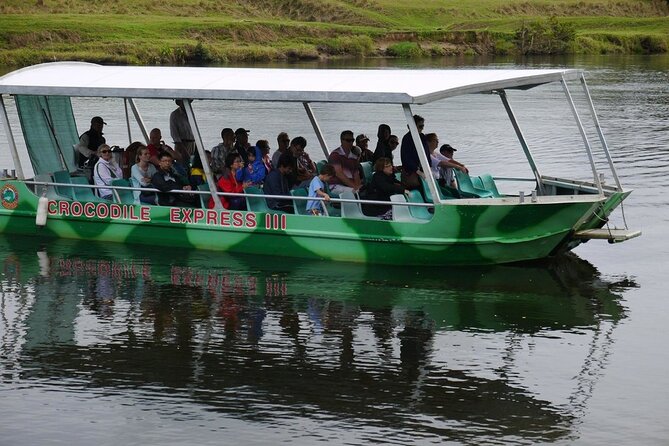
(545, 37)
(405, 49)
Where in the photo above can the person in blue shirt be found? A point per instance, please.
(317, 189)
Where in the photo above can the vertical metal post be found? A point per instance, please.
(138, 118)
(599, 132)
(317, 129)
(522, 140)
(10, 140)
(127, 120)
(199, 145)
(588, 149)
(424, 162)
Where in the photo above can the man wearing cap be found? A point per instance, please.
(242, 143)
(182, 135)
(362, 141)
(90, 140)
(219, 152)
(447, 164)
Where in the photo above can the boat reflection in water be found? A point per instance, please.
(406, 353)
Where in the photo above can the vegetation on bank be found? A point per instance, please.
(219, 31)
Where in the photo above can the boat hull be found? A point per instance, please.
(457, 234)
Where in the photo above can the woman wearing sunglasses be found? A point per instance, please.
(105, 171)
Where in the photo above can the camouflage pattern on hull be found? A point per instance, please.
(466, 234)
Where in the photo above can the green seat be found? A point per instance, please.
(63, 176)
(84, 193)
(204, 199)
(401, 213)
(426, 190)
(255, 200)
(489, 184)
(319, 166)
(417, 211)
(125, 196)
(367, 171)
(300, 206)
(465, 185)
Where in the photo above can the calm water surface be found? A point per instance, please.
(110, 344)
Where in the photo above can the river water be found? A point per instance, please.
(112, 344)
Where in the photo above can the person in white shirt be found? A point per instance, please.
(105, 171)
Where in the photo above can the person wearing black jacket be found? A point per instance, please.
(383, 185)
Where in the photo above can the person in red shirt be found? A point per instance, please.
(228, 183)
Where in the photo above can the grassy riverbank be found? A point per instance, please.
(219, 31)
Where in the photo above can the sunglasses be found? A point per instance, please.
(348, 139)
(105, 151)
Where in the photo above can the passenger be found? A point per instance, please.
(254, 172)
(411, 167)
(141, 174)
(317, 188)
(297, 177)
(182, 135)
(167, 179)
(90, 141)
(242, 143)
(362, 141)
(383, 185)
(284, 142)
(105, 171)
(220, 152)
(383, 149)
(306, 169)
(197, 175)
(277, 183)
(263, 145)
(447, 164)
(228, 183)
(157, 145)
(346, 165)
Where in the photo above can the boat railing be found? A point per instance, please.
(228, 194)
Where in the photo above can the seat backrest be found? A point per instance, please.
(418, 211)
(489, 184)
(126, 196)
(351, 210)
(63, 176)
(255, 201)
(465, 185)
(400, 213)
(426, 190)
(367, 171)
(204, 199)
(300, 206)
(83, 193)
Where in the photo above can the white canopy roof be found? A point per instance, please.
(397, 86)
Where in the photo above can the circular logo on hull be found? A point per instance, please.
(9, 196)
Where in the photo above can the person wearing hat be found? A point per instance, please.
(362, 141)
(90, 141)
(242, 143)
(446, 164)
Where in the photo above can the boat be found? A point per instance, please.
(557, 215)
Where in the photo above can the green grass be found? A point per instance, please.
(217, 31)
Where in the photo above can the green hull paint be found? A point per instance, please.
(467, 234)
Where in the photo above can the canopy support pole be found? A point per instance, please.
(522, 140)
(10, 140)
(199, 145)
(581, 129)
(424, 162)
(595, 119)
(138, 118)
(317, 129)
(127, 120)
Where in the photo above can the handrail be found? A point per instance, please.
(229, 194)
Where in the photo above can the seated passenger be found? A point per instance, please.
(447, 164)
(284, 141)
(89, 142)
(317, 188)
(167, 179)
(383, 148)
(254, 172)
(141, 173)
(263, 145)
(157, 145)
(105, 171)
(228, 183)
(383, 185)
(306, 169)
(197, 175)
(346, 165)
(362, 142)
(220, 151)
(277, 183)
